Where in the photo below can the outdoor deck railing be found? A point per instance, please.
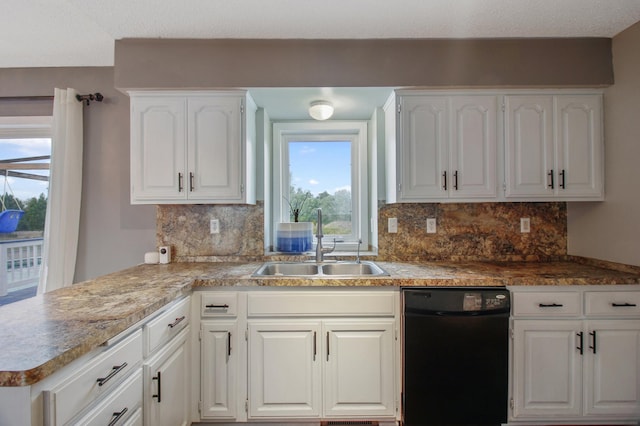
(20, 262)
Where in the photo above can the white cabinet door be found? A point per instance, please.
(192, 147)
(359, 369)
(447, 147)
(166, 389)
(424, 147)
(579, 145)
(284, 368)
(529, 147)
(219, 369)
(215, 148)
(547, 368)
(612, 368)
(473, 145)
(554, 147)
(158, 148)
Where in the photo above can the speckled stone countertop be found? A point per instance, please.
(44, 333)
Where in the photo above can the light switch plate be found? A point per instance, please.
(392, 225)
(525, 225)
(431, 225)
(214, 226)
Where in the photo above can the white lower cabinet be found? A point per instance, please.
(284, 368)
(118, 406)
(359, 368)
(612, 368)
(284, 355)
(166, 384)
(219, 365)
(331, 354)
(547, 368)
(295, 366)
(569, 365)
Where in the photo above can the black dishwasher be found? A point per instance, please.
(455, 356)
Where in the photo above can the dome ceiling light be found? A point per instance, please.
(321, 110)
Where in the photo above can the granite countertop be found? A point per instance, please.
(44, 333)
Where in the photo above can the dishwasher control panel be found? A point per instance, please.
(457, 300)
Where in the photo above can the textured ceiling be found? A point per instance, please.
(38, 33)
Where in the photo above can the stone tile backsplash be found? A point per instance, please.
(465, 231)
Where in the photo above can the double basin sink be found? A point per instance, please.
(308, 269)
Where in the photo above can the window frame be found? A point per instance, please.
(353, 131)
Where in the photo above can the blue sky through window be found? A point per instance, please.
(320, 166)
(24, 189)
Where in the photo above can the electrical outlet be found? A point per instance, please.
(525, 225)
(431, 225)
(392, 225)
(214, 226)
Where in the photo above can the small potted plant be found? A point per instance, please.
(294, 237)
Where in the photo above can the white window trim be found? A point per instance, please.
(355, 131)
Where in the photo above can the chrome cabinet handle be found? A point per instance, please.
(117, 416)
(315, 347)
(179, 182)
(228, 343)
(159, 394)
(115, 370)
(190, 182)
(176, 322)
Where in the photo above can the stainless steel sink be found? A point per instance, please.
(352, 268)
(288, 269)
(298, 269)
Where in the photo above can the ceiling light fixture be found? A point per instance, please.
(321, 110)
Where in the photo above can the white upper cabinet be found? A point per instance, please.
(554, 147)
(192, 147)
(444, 147)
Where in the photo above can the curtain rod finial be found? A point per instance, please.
(91, 97)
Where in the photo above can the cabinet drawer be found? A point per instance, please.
(119, 406)
(612, 303)
(167, 325)
(546, 304)
(312, 303)
(219, 305)
(97, 378)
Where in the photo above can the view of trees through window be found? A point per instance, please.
(320, 177)
(35, 209)
(24, 185)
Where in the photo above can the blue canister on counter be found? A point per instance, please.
(295, 237)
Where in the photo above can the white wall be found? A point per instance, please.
(611, 230)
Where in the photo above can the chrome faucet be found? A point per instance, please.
(320, 252)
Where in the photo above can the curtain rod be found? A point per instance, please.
(81, 98)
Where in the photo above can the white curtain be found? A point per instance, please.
(65, 187)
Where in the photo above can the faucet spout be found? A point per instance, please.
(319, 253)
